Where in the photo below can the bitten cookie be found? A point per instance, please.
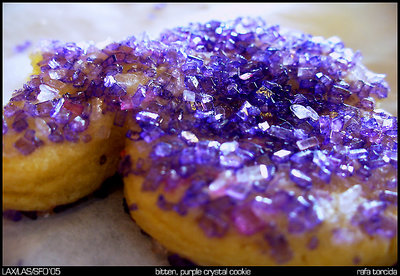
(63, 131)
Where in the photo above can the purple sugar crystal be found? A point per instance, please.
(262, 207)
(345, 170)
(324, 124)
(148, 118)
(152, 133)
(381, 90)
(162, 149)
(195, 195)
(389, 123)
(237, 192)
(307, 143)
(300, 178)
(281, 156)
(207, 152)
(30, 136)
(44, 108)
(296, 224)
(337, 124)
(228, 147)
(30, 109)
(364, 172)
(255, 173)
(281, 132)
(301, 112)
(247, 110)
(388, 196)
(371, 219)
(60, 113)
(20, 124)
(109, 81)
(56, 136)
(138, 97)
(78, 124)
(10, 109)
(305, 72)
(231, 160)
(336, 137)
(25, 146)
(70, 135)
(367, 103)
(305, 215)
(304, 156)
(358, 153)
(263, 127)
(47, 93)
(5, 127)
(313, 115)
(153, 180)
(282, 200)
(279, 247)
(245, 221)
(116, 90)
(189, 137)
(189, 96)
(187, 156)
(213, 226)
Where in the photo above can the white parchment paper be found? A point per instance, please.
(97, 231)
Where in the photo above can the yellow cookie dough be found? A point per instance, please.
(60, 173)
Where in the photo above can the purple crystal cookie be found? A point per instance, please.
(266, 138)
